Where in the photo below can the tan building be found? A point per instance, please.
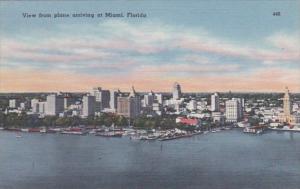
(129, 106)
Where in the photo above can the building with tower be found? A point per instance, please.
(129, 106)
(176, 91)
(287, 105)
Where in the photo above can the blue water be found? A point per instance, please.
(227, 159)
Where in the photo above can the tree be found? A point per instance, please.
(2, 119)
(121, 121)
(253, 121)
(49, 121)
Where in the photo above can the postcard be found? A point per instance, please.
(137, 94)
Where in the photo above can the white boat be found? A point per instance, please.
(25, 130)
(243, 124)
(43, 130)
(73, 132)
(135, 137)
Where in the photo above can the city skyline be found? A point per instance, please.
(207, 50)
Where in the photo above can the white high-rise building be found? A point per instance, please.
(88, 105)
(215, 103)
(159, 98)
(55, 104)
(14, 103)
(176, 91)
(192, 105)
(42, 107)
(233, 111)
(35, 105)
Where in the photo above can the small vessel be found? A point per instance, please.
(25, 130)
(110, 134)
(254, 130)
(149, 137)
(73, 132)
(33, 130)
(43, 130)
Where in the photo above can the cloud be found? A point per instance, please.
(274, 79)
(149, 55)
(282, 40)
(188, 68)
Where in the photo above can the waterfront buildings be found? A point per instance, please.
(192, 105)
(102, 98)
(215, 103)
(55, 104)
(129, 106)
(148, 99)
(287, 106)
(35, 105)
(42, 107)
(218, 117)
(14, 103)
(68, 101)
(233, 110)
(159, 98)
(88, 105)
(113, 99)
(176, 91)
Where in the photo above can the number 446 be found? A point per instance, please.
(276, 13)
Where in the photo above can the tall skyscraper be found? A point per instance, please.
(113, 99)
(35, 105)
(176, 91)
(123, 106)
(55, 104)
(88, 105)
(42, 107)
(215, 103)
(102, 98)
(148, 99)
(287, 105)
(159, 98)
(233, 111)
(129, 106)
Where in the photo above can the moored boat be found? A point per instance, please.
(109, 134)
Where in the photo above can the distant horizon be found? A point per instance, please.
(138, 91)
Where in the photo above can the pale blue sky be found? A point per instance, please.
(228, 39)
